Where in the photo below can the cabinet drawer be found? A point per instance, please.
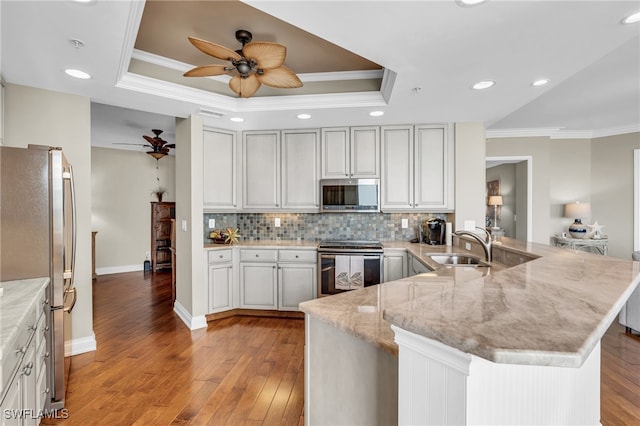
(305, 256)
(258, 255)
(219, 256)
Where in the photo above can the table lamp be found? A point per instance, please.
(495, 201)
(578, 211)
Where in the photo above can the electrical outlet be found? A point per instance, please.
(277, 224)
(467, 246)
(405, 223)
(469, 225)
(212, 223)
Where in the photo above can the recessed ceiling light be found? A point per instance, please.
(540, 82)
(304, 116)
(77, 74)
(632, 19)
(376, 113)
(237, 119)
(485, 84)
(469, 3)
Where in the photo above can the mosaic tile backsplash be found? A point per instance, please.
(320, 226)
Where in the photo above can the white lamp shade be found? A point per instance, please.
(495, 200)
(577, 210)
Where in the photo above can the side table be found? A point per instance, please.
(593, 245)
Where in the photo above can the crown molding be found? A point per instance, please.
(221, 104)
(558, 133)
(161, 61)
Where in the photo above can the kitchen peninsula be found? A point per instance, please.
(511, 344)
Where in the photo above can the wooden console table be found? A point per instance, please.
(593, 245)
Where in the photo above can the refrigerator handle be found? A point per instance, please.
(75, 297)
(74, 227)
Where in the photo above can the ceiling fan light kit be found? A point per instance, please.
(255, 64)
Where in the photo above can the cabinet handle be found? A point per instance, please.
(26, 370)
(22, 350)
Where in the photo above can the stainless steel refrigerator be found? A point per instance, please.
(37, 239)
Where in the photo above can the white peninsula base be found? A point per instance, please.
(348, 381)
(440, 385)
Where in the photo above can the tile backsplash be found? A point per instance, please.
(320, 226)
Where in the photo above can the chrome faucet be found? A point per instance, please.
(486, 243)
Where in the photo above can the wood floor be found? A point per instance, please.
(149, 369)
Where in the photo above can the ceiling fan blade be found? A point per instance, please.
(125, 143)
(170, 145)
(281, 77)
(215, 50)
(267, 55)
(244, 87)
(206, 71)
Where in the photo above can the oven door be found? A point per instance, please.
(372, 271)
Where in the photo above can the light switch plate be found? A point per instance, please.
(277, 224)
(469, 225)
(184, 225)
(212, 223)
(405, 223)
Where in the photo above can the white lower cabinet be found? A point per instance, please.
(21, 404)
(258, 285)
(220, 280)
(394, 265)
(296, 283)
(415, 267)
(277, 279)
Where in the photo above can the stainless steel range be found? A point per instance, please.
(348, 265)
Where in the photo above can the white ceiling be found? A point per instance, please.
(435, 49)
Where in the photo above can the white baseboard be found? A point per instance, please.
(193, 323)
(119, 269)
(80, 346)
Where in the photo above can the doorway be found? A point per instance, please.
(515, 182)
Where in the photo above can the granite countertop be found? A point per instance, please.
(16, 299)
(551, 310)
(267, 244)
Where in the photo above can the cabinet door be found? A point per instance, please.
(296, 283)
(432, 167)
(395, 267)
(12, 403)
(258, 286)
(335, 153)
(261, 170)
(219, 159)
(220, 287)
(397, 168)
(365, 152)
(300, 169)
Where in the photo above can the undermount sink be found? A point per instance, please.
(457, 260)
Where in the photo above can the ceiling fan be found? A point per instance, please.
(255, 64)
(159, 147)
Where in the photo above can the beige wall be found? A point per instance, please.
(538, 149)
(470, 188)
(564, 170)
(191, 290)
(50, 118)
(122, 183)
(612, 189)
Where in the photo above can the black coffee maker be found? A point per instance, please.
(433, 231)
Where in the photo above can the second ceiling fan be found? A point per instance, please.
(255, 64)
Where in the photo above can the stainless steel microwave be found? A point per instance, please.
(350, 195)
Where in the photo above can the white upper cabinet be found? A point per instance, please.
(220, 159)
(397, 168)
(300, 169)
(417, 168)
(261, 169)
(351, 152)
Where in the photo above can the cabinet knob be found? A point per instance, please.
(220, 256)
(297, 256)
